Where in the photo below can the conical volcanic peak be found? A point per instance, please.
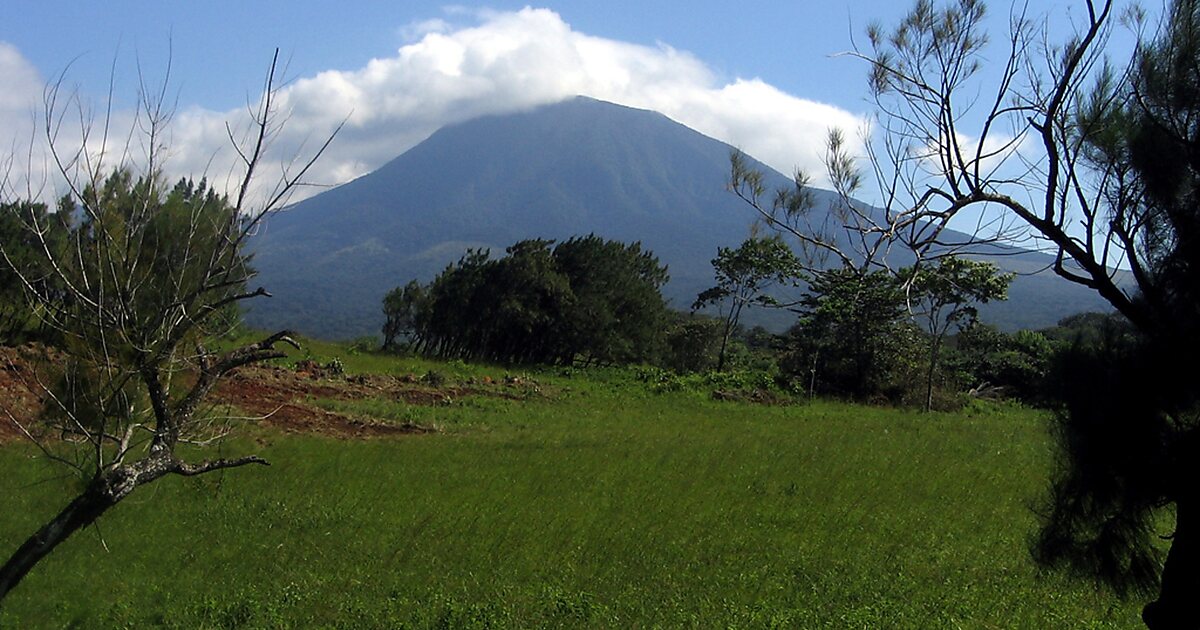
(576, 167)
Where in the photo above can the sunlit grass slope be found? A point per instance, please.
(601, 504)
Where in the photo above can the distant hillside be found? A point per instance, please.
(575, 167)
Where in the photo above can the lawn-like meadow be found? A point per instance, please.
(598, 503)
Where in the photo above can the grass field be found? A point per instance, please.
(599, 504)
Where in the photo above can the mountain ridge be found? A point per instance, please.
(571, 168)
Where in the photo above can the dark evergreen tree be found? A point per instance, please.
(618, 313)
(401, 308)
(1130, 426)
(1108, 180)
(23, 262)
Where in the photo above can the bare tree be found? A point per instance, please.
(846, 232)
(1044, 143)
(931, 164)
(142, 284)
(1057, 146)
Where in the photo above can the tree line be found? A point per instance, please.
(585, 300)
(588, 301)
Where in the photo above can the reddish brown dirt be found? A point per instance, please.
(283, 398)
(280, 398)
(21, 391)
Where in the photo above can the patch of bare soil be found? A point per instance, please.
(21, 391)
(282, 398)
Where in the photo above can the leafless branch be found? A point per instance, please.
(147, 272)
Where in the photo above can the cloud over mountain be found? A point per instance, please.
(470, 63)
(21, 93)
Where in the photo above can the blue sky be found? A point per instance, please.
(220, 47)
(758, 74)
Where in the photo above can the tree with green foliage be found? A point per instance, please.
(22, 249)
(524, 299)
(401, 307)
(1088, 329)
(745, 276)
(142, 287)
(618, 314)
(585, 299)
(1099, 163)
(442, 327)
(945, 294)
(690, 343)
(1016, 365)
(15, 312)
(852, 336)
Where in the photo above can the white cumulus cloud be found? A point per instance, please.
(22, 83)
(21, 94)
(495, 63)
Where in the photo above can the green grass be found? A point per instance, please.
(605, 505)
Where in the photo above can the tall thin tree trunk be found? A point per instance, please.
(933, 355)
(812, 377)
(731, 321)
(721, 354)
(82, 511)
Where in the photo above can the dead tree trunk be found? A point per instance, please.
(104, 491)
(84, 510)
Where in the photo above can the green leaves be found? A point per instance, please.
(851, 337)
(754, 267)
(745, 275)
(585, 299)
(21, 262)
(949, 289)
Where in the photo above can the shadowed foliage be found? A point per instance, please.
(585, 300)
